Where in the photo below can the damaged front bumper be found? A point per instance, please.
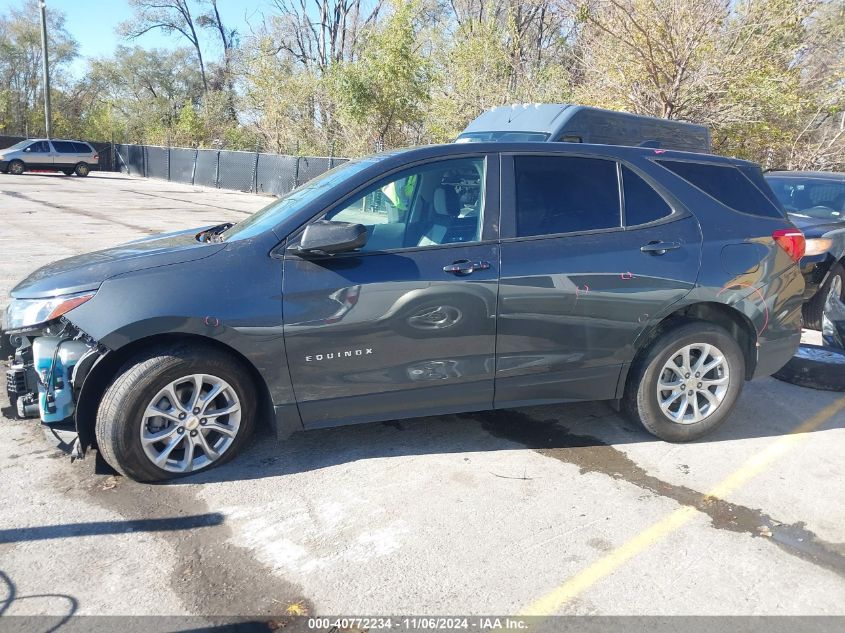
(47, 371)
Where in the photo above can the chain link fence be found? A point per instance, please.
(252, 172)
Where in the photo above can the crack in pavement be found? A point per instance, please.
(591, 455)
(87, 213)
(198, 204)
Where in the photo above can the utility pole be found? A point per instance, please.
(48, 122)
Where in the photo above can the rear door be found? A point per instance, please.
(582, 275)
(66, 155)
(406, 325)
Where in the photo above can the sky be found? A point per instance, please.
(93, 24)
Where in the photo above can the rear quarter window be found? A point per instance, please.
(726, 184)
(82, 148)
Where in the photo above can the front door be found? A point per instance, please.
(580, 280)
(39, 155)
(406, 325)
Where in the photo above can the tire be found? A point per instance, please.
(82, 170)
(813, 309)
(16, 167)
(815, 367)
(123, 417)
(640, 401)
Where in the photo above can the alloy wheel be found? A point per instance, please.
(693, 383)
(190, 423)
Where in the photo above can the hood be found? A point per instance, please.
(88, 271)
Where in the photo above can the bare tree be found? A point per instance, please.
(319, 33)
(170, 16)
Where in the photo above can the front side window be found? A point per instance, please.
(642, 203)
(438, 203)
(565, 194)
(40, 147)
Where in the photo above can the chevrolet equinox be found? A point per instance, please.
(421, 282)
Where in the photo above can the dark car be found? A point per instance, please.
(815, 202)
(570, 123)
(419, 282)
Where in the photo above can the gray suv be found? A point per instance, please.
(70, 157)
(425, 281)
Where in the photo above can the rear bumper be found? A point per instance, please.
(774, 354)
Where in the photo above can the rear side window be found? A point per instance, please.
(727, 184)
(64, 147)
(642, 203)
(82, 148)
(565, 194)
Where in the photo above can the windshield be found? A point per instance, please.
(822, 198)
(278, 210)
(513, 137)
(17, 146)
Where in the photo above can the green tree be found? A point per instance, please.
(382, 95)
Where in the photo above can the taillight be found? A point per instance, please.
(792, 241)
(96, 157)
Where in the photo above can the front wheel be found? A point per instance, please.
(16, 167)
(174, 411)
(687, 383)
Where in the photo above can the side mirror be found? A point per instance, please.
(325, 237)
(28, 149)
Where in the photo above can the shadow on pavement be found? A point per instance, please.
(99, 528)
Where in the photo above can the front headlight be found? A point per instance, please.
(817, 246)
(23, 313)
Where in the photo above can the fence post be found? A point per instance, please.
(296, 173)
(194, 167)
(144, 159)
(168, 161)
(255, 171)
(217, 172)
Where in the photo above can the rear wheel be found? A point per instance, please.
(16, 167)
(834, 286)
(174, 411)
(82, 169)
(686, 383)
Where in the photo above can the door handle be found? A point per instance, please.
(465, 267)
(659, 248)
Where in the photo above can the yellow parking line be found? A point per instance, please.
(552, 602)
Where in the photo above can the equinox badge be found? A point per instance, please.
(341, 354)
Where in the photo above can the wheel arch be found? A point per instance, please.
(104, 371)
(738, 325)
